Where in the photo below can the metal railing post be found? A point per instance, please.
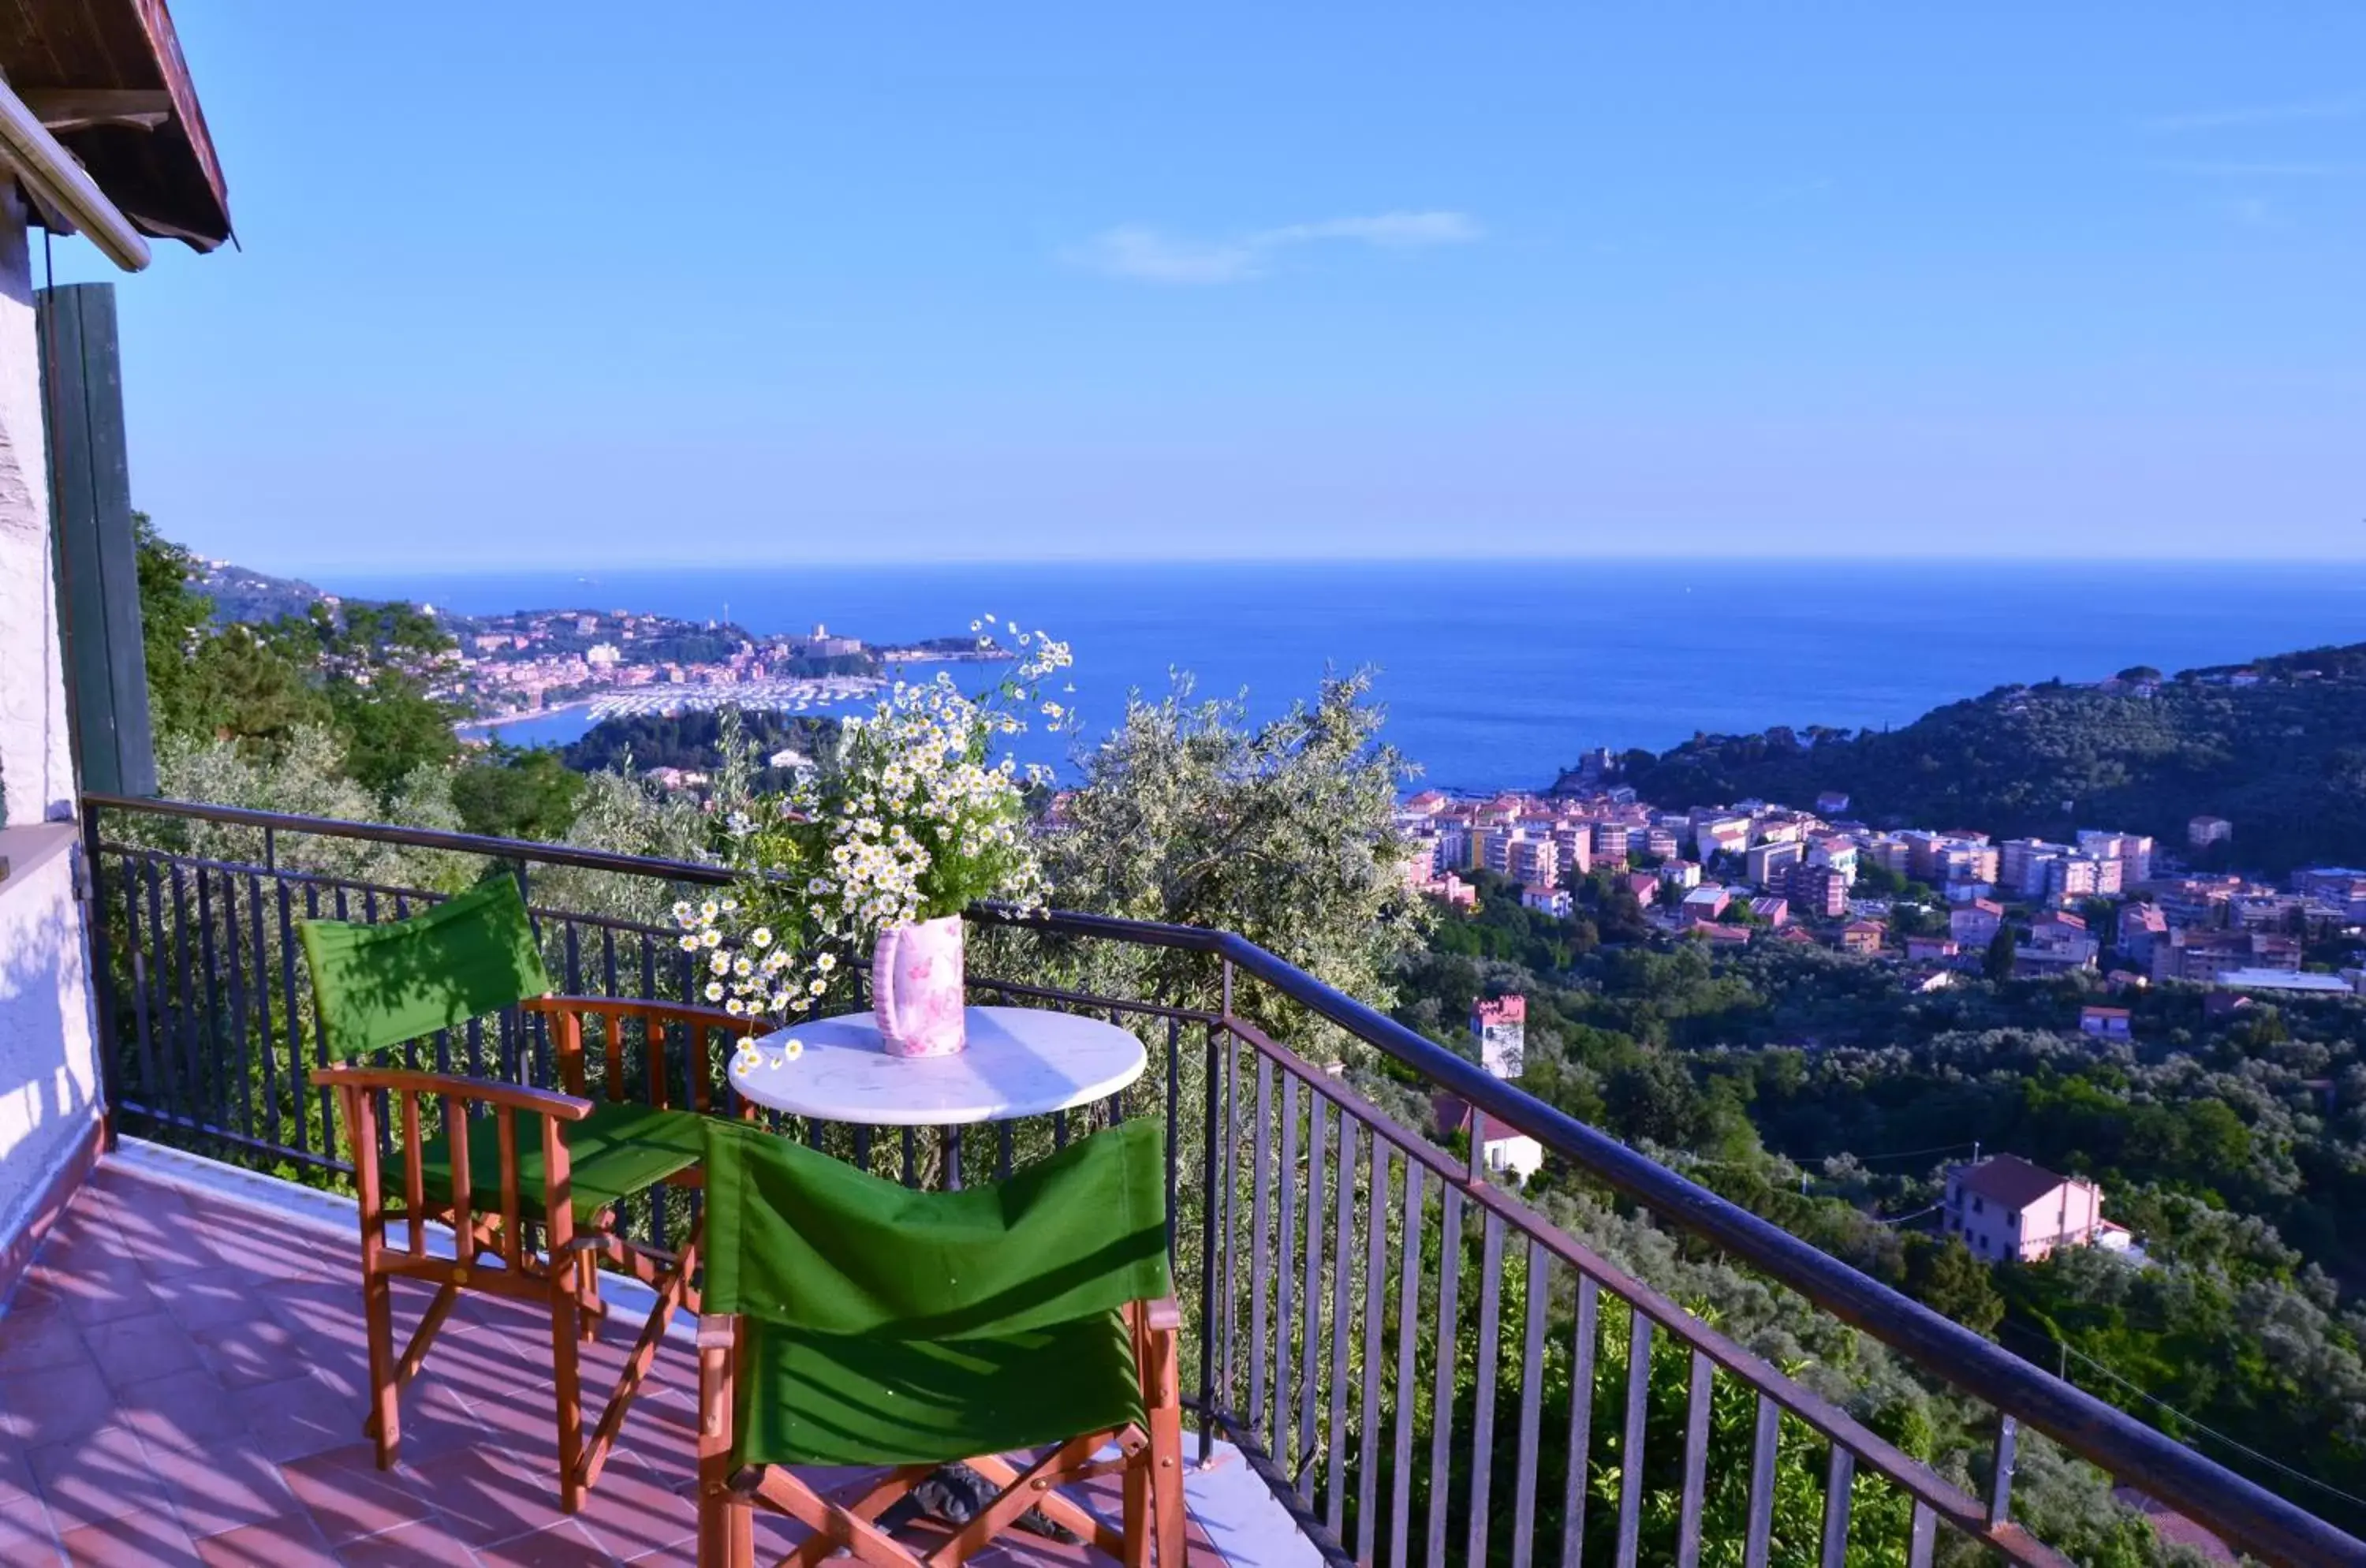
(90, 887)
(1209, 1175)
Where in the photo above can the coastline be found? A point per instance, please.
(803, 695)
(482, 728)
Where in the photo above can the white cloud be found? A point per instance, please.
(2260, 114)
(1153, 257)
(1149, 255)
(1394, 230)
(2235, 169)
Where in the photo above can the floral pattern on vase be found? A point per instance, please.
(916, 989)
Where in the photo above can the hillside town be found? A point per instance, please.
(1930, 901)
(530, 660)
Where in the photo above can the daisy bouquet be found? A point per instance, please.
(912, 821)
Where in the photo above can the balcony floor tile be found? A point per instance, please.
(181, 1383)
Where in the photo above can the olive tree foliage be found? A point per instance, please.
(305, 778)
(1191, 813)
(623, 814)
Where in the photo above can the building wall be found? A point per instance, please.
(1518, 1155)
(2067, 1216)
(49, 1069)
(1986, 1228)
(1973, 927)
(49, 1066)
(36, 755)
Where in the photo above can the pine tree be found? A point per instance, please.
(2002, 949)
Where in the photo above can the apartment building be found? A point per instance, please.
(2201, 956)
(1817, 892)
(1765, 863)
(1705, 903)
(2141, 926)
(1975, 924)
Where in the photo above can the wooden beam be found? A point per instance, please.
(80, 109)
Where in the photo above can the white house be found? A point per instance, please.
(1553, 901)
(1499, 1028)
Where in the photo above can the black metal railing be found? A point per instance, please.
(1420, 1366)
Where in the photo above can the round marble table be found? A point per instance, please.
(1020, 1062)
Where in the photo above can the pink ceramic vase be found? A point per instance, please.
(915, 988)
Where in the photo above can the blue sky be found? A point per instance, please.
(759, 282)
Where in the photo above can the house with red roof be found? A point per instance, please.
(1863, 937)
(2104, 1024)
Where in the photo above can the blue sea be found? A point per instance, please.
(1497, 674)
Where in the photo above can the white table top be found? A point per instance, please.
(1020, 1062)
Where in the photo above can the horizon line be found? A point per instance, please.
(1717, 559)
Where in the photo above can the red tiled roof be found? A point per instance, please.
(2009, 1180)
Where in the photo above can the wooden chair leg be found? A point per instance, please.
(594, 1311)
(565, 1337)
(1167, 1487)
(670, 1289)
(727, 1524)
(414, 1354)
(1137, 1516)
(1163, 1399)
(385, 1421)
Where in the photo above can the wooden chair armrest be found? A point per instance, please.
(660, 1013)
(517, 1096)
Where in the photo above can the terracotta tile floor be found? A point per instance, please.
(181, 1383)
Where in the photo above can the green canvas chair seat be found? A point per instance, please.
(884, 1326)
(860, 1399)
(619, 1150)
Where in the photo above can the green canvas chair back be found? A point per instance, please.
(379, 984)
(891, 1326)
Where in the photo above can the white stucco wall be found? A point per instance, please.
(49, 1066)
(48, 1070)
(36, 756)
